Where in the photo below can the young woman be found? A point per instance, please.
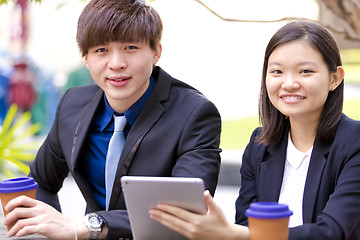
(307, 152)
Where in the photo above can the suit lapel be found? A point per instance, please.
(313, 179)
(272, 171)
(83, 127)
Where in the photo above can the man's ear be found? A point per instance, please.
(157, 54)
(85, 61)
(336, 78)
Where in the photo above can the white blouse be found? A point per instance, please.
(293, 184)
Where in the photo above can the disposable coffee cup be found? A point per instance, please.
(12, 188)
(268, 220)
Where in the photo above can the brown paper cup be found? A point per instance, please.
(269, 229)
(12, 188)
(268, 221)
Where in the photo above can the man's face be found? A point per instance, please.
(122, 71)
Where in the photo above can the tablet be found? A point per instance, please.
(143, 193)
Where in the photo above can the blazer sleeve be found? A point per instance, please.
(248, 191)
(49, 168)
(198, 153)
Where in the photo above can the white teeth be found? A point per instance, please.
(118, 80)
(292, 97)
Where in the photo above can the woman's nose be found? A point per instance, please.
(290, 82)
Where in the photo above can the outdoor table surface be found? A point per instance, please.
(3, 236)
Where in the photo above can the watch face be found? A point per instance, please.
(94, 221)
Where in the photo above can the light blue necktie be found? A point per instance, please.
(116, 145)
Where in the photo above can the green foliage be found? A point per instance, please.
(351, 108)
(351, 64)
(235, 134)
(6, 1)
(17, 148)
(39, 1)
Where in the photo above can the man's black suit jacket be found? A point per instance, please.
(331, 201)
(176, 134)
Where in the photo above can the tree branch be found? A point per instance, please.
(334, 7)
(241, 20)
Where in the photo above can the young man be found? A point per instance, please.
(171, 129)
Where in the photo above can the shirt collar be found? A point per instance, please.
(132, 113)
(294, 156)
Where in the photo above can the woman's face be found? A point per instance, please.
(298, 80)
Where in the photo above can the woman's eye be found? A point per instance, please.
(276, 72)
(101, 50)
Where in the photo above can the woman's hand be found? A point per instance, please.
(33, 216)
(194, 226)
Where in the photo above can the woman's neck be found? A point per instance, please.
(303, 134)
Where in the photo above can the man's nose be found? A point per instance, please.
(117, 61)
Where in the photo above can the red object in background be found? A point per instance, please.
(20, 26)
(21, 87)
(21, 83)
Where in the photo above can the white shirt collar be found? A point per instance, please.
(294, 156)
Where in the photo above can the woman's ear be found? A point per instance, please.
(336, 78)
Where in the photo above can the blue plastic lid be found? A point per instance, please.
(17, 185)
(268, 210)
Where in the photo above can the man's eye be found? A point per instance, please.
(306, 71)
(130, 48)
(101, 50)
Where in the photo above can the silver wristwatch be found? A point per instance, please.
(94, 224)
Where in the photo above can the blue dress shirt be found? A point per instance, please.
(95, 149)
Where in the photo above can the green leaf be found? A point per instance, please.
(23, 156)
(8, 173)
(17, 145)
(21, 166)
(20, 123)
(9, 118)
(29, 146)
(29, 132)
